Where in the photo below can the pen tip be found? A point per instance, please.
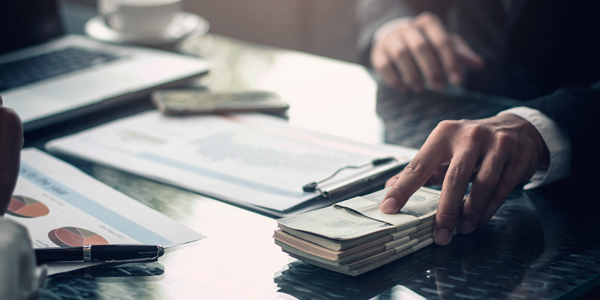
(161, 251)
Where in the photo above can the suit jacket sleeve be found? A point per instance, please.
(576, 110)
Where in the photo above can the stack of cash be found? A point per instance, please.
(354, 236)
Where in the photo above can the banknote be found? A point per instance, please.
(328, 253)
(368, 263)
(359, 220)
(422, 203)
(334, 222)
(300, 247)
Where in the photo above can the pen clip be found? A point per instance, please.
(375, 163)
(381, 172)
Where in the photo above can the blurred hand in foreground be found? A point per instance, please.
(11, 141)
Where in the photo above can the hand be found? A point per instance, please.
(419, 51)
(11, 141)
(496, 154)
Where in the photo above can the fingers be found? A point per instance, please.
(497, 154)
(409, 180)
(424, 56)
(453, 190)
(391, 181)
(466, 55)
(513, 174)
(510, 162)
(422, 51)
(437, 178)
(385, 68)
(415, 174)
(401, 57)
(441, 41)
(485, 183)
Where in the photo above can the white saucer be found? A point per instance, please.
(184, 25)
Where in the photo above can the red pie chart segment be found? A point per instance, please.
(75, 237)
(25, 207)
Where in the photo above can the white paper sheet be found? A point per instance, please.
(61, 206)
(249, 158)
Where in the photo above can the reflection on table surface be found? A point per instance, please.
(106, 281)
(532, 248)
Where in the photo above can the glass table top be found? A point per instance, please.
(536, 246)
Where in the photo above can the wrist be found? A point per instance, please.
(528, 133)
(539, 144)
(556, 140)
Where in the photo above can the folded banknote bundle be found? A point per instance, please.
(354, 236)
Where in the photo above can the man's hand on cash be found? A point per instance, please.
(420, 50)
(496, 154)
(11, 141)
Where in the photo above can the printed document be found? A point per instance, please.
(63, 207)
(255, 159)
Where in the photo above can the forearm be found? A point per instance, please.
(557, 142)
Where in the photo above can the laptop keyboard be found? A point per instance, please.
(37, 68)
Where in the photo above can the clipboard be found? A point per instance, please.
(335, 191)
(255, 161)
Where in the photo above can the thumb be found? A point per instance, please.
(468, 57)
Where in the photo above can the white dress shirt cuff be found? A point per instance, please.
(557, 141)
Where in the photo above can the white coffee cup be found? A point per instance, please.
(140, 18)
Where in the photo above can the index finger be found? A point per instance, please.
(414, 175)
(439, 37)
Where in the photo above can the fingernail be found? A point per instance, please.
(438, 86)
(389, 206)
(442, 236)
(465, 226)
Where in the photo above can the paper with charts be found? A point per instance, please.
(63, 207)
(252, 159)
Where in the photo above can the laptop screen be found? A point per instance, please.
(25, 23)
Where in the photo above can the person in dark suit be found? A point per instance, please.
(543, 53)
(11, 141)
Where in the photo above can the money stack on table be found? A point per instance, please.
(354, 236)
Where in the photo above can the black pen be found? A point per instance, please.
(101, 253)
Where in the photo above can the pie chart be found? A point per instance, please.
(75, 237)
(25, 207)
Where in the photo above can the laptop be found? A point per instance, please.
(47, 76)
